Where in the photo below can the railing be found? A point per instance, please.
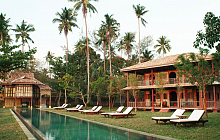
(190, 104)
(169, 81)
(174, 104)
(210, 104)
(139, 104)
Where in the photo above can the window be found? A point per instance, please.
(24, 90)
(9, 91)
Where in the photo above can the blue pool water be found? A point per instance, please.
(59, 127)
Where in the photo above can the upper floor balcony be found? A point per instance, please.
(166, 81)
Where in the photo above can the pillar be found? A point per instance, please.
(145, 98)
(152, 109)
(127, 98)
(31, 102)
(127, 90)
(214, 109)
(50, 101)
(178, 93)
(200, 95)
(152, 83)
(40, 100)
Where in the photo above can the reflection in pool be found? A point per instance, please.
(59, 127)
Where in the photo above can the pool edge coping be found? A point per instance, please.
(118, 127)
(37, 134)
(29, 135)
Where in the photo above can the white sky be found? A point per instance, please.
(179, 20)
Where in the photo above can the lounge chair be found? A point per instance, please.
(94, 107)
(173, 116)
(195, 117)
(127, 113)
(62, 107)
(98, 110)
(117, 111)
(74, 109)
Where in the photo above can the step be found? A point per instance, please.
(164, 110)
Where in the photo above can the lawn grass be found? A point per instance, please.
(142, 122)
(9, 128)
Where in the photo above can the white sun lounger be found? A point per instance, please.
(74, 109)
(195, 117)
(117, 111)
(127, 113)
(62, 107)
(173, 116)
(98, 110)
(94, 107)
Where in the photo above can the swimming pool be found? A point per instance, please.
(60, 127)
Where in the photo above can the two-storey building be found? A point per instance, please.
(188, 96)
(23, 89)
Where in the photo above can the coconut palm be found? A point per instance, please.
(49, 58)
(129, 38)
(121, 45)
(67, 19)
(163, 45)
(140, 11)
(22, 32)
(111, 27)
(4, 29)
(81, 45)
(147, 55)
(102, 40)
(85, 7)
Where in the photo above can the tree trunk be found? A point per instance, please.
(110, 61)
(104, 55)
(65, 96)
(87, 46)
(66, 51)
(139, 40)
(109, 101)
(2, 38)
(59, 98)
(161, 102)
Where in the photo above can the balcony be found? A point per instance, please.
(169, 81)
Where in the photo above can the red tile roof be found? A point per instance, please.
(24, 78)
(161, 62)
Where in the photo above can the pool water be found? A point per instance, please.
(59, 127)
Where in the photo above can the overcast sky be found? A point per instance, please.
(178, 20)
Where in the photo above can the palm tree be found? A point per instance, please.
(163, 45)
(121, 45)
(85, 7)
(140, 11)
(49, 58)
(66, 20)
(102, 40)
(81, 45)
(147, 55)
(128, 39)
(4, 29)
(111, 27)
(22, 32)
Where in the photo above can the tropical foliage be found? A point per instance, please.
(140, 11)
(163, 45)
(67, 20)
(23, 32)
